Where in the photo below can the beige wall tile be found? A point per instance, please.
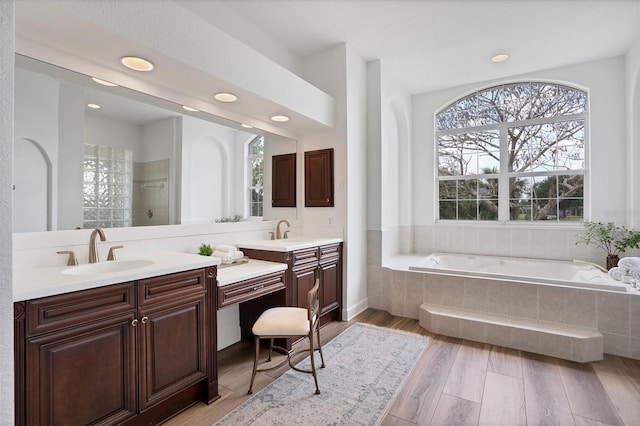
(613, 313)
(499, 297)
(524, 300)
(453, 292)
(552, 303)
(581, 308)
(616, 344)
(475, 294)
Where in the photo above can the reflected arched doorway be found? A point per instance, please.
(32, 178)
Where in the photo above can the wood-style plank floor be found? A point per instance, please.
(458, 382)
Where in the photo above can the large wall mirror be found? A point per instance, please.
(88, 155)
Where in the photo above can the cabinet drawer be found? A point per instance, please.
(250, 289)
(305, 256)
(166, 288)
(330, 252)
(66, 310)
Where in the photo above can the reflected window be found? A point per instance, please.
(107, 186)
(255, 170)
(514, 152)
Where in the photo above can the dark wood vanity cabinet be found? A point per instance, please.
(303, 265)
(136, 352)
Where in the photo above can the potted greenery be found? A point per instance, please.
(205, 250)
(611, 238)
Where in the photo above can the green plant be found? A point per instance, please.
(609, 237)
(205, 250)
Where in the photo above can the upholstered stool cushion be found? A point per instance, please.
(284, 321)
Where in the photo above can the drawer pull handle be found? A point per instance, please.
(144, 320)
(134, 323)
(256, 288)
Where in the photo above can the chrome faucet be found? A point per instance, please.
(278, 233)
(93, 245)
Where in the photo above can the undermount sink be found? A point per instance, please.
(109, 266)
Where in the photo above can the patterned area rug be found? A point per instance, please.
(365, 368)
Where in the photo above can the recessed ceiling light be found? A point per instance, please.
(188, 108)
(93, 106)
(246, 126)
(137, 64)
(501, 57)
(280, 118)
(103, 82)
(225, 97)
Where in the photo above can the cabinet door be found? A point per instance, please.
(303, 281)
(330, 288)
(173, 348)
(318, 178)
(83, 375)
(283, 181)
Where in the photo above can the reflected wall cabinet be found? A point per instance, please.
(283, 183)
(318, 178)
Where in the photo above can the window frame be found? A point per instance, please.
(504, 174)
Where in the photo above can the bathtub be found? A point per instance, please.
(573, 274)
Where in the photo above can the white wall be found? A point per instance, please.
(632, 80)
(70, 152)
(36, 139)
(341, 72)
(105, 131)
(6, 246)
(355, 252)
(160, 140)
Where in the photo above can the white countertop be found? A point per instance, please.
(290, 244)
(32, 283)
(253, 268)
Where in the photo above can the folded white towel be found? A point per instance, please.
(616, 273)
(225, 256)
(223, 247)
(629, 263)
(238, 255)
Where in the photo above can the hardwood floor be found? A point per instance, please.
(458, 382)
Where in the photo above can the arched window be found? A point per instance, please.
(514, 152)
(255, 170)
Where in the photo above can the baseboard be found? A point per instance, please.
(355, 310)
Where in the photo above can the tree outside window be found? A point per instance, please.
(513, 152)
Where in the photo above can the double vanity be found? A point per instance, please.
(134, 341)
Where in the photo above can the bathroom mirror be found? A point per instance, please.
(132, 159)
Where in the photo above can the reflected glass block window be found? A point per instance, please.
(255, 178)
(513, 152)
(107, 186)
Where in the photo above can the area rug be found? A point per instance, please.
(365, 368)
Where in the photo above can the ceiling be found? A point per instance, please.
(426, 44)
(434, 44)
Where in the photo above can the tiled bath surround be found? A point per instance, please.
(401, 292)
